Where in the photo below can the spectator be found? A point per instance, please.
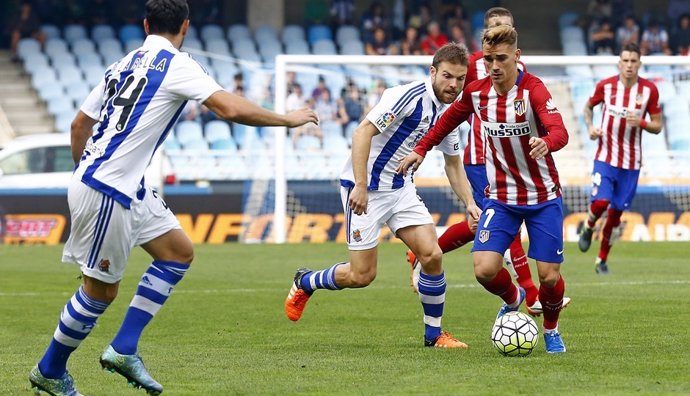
(26, 25)
(207, 114)
(375, 95)
(677, 7)
(410, 44)
(380, 44)
(681, 37)
(655, 40)
(294, 100)
(628, 32)
(325, 107)
(603, 39)
(374, 18)
(457, 35)
(319, 88)
(342, 13)
(290, 80)
(456, 16)
(422, 18)
(599, 9)
(353, 103)
(434, 39)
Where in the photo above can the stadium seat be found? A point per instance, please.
(77, 92)
(567, 19)
(224, 144)
(307, 143)
(211, 32)
(218, 47)
(196, 144)
(48, 92)
(47, 77)
(83, 46)
(28, 46)
(109, 45)
(293, 33)
(238, 32)
(269, 50)
(334, 143)
(265, 33)
(233, 167)
(35, 61)
(319, 32)
(93, 76)
(63, 121)
(133, 44)
(477, 20)
(297, 47)
(68, 75)
(187, 131)
(345, 34)
(324, 47)
(102, 32)
(314, 163)
(193, 44)
(59, 105)
(55, 46)
(354, 47)
(171, 144)
(217, 130)
(74, 32)
(50, 31)
(89, 60)
(131, 32)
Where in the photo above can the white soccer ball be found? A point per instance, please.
(515, 334)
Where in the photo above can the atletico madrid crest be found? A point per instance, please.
(484, 235)
(520, 107)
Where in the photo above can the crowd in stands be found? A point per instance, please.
(612, 23)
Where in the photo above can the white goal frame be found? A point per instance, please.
(284, 62)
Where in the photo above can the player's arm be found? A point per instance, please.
(549, 116)
(460, 185)
(361, 146)
(588, 112)
(238, 109)
(82, 129)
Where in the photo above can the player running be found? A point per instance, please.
(626, 100)
(113, 209)
(522, 127)
(373, 194)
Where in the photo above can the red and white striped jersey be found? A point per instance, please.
(474, 150)
(508, 122)
(621, 145)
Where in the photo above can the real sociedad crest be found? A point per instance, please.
(520, 107)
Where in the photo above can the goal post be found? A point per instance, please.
(285, 63)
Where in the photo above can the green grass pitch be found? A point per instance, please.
(223, 332)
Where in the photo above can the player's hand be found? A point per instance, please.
(632, 120)
(595, 133)
(413, 160)
(473, 213)
(539, 148)
(300, 117)
(359, 199)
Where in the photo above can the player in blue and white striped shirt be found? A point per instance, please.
(113, 210)
(373, 194)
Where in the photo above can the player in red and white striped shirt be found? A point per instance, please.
(459, 234)
(626, 99)
(522, 127)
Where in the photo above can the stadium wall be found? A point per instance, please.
(217, 215)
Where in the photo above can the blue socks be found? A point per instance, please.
(76, 322)
(432, 294)
(154, 289)
(324, 279)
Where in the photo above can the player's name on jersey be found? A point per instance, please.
(143, 62)
(506, 129)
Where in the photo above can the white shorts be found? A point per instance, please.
(398, 209)
(104, 232)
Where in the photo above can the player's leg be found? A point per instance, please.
(362, 238)
(98, 243)
(496, 229)
(602, 193)
(156, 230)
(623, 194)
(545, 224)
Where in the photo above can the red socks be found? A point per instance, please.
(502, 286)
(551, 302)
(612, 221)
(596, 209)
(455, 236)
(521, 266)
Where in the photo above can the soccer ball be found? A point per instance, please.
(515, 334)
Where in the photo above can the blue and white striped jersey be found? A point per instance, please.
(137, 103)
(403, 116)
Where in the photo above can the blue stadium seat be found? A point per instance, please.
(93, 76)
(131, 32)
(83, 46)
(34, 62)
(567, 19)
(47, 77)
(293, 33)
(324, 47)
(109, 45)
(193, 44)
(335, 143)
(27, 46)
(297, 47)
(233, 167)
(477, 20)
(319, 32)
(63, 121)
(307, 143)
(238, 32)
(224, 144)
(50, 31)
(74, 32)
(269, 50)
(187, 131)
(265, 33)
(133, 44)
(217, 130)
(102, 32)
(354, 47)
(171, 144)
(218, 46)
(48, 92)
(90, 61)
(211, 32)
(196, 144)
(345, 34)
(56, 46)
(68, 75)
(59, 105)
(192, 33)
(77, 92)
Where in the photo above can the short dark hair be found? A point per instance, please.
(166, 16)
(454, 53)
(632, 47)
(497, 12)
